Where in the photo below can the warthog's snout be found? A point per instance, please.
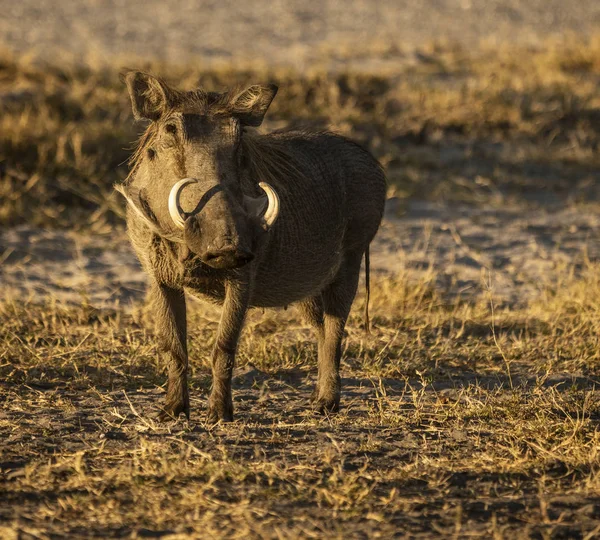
(218, 243)
(219, 229)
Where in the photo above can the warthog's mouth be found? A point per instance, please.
(227, 258)
(230, 252)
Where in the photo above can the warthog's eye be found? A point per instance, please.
(151, 153)
(171, 128)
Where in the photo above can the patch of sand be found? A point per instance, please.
(465, 247)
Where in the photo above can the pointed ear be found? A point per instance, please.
(150, 97)
(251, 105)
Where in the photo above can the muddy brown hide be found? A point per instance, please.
(330, 197)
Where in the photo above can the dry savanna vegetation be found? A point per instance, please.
(458, 125)
(461, 418)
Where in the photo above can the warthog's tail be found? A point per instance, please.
(368, 287)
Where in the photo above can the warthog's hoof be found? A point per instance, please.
(323, 403)
(326, 406)
(219, 411)
(172, 409)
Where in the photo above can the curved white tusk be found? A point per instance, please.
(272, 211)
(174, 206)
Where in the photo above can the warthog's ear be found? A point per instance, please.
(150, 97)
(251, 105)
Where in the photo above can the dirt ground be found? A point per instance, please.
(518, 253)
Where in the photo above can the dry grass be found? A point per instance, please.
(434, 437)
(459, 419)
(462, 125)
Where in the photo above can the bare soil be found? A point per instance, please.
(514, 251)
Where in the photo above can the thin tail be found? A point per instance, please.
(368, 296)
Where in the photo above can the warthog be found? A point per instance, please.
(245, 220)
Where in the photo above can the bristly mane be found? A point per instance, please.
(143, 143)
(269, 159)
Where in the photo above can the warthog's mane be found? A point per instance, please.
(270, 159)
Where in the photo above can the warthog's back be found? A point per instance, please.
(332, 195)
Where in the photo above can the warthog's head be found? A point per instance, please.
(188, 181)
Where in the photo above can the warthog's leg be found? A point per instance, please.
(337, 301)
(220, 404)
(170, 321)
(312, 310)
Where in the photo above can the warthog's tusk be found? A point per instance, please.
(174, 207)
(273, 207)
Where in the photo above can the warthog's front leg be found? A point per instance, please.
(220, 403)
(170, 314)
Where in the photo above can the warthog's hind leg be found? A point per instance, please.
(337, 301)
(170, 320)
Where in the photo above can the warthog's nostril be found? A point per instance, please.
(227, 258)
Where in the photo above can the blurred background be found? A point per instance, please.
(292, 33)
(485, 115)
